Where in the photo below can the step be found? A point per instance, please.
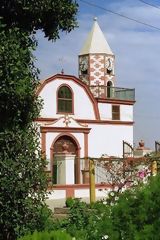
(60, 216)
(59, 210)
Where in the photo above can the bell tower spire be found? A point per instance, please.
(96, 59)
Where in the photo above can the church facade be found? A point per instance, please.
(84, 117)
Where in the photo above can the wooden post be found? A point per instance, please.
(154, 168)
(92, 180)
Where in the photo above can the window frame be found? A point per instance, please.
(116, 114)
(65, 99)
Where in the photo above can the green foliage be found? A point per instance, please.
(19, 105)
(83, 220)
(70, 202)
(78, 215)
(23, 182)
(45, 221)
(51, 16)
(22, 178)
(54, 235)
(134, 216)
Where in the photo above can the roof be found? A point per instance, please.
(96, 42)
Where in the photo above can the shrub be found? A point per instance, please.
(45, 221)
(70, 202)
(54, 235)
(134, 216)
(84, 220)
(137, 215)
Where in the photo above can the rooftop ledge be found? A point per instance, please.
(117, 93)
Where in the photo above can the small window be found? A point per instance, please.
(65, 100)
(115, 112)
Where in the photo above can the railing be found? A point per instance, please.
(112, 171)
(121, 171)
(113, 93)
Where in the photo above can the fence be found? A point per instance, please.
(114, 170)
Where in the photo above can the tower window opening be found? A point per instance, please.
(109, 71)
(109, 89)
(85, 72)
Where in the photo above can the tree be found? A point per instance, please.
(22, 179)
(51, 16)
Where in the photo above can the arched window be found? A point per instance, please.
(109, 89)
(65, 100)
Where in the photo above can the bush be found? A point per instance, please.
(137, 215)
(54, 235)
(70, 202)
(134, 216)
(45, 221)
(84, 220)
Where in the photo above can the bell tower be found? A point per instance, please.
(96, 59)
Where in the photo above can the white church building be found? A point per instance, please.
(84, 117)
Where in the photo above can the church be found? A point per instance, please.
(85, 116)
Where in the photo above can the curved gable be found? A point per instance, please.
(68, 78)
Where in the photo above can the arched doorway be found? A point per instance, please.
(109, 89)
(65, 164)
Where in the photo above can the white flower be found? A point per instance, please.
(112, 194)
(116, 189)
(135, 183)
(123, 189)
(145, 181)
(104, 202)
(122, 180)
(105, 237)
(116, 198)
(20, 175)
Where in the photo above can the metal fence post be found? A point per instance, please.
(154, 168)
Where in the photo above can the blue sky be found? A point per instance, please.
(137, 51)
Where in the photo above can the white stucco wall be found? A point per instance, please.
(56, 194)
(84, 193)
(78, 193)
(105, 110)
(103, 138)
(107, 139)
(126, 112)
(83, 107)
